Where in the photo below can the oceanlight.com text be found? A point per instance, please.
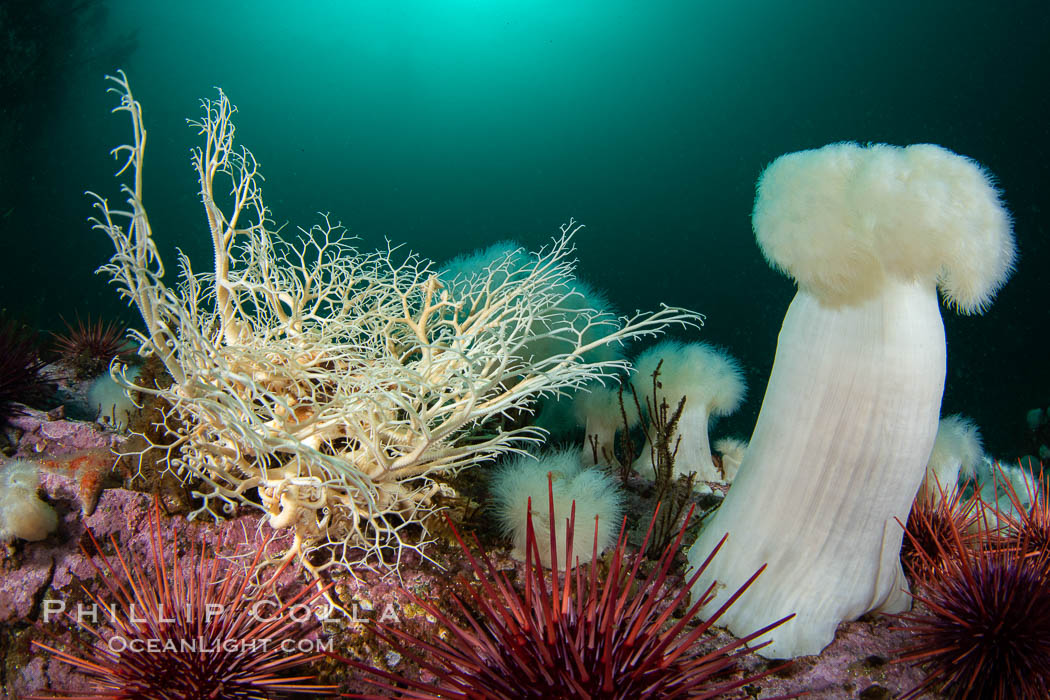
(199, 645)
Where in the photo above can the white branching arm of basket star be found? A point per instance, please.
(335, 382)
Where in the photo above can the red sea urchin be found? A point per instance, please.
(1031, 521)
(983, 632)
(929, 528)
(88, 348)
(582, 636)
(21, 370)
(190, 634)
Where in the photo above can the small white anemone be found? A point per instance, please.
(1003, 487)
(597, 409)
(956, 452)
(22, 514)
(732, 450)
(595, 493)
(713, 385)
(478, 262)
(113, 407)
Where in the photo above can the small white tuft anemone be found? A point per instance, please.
(1003, 487)
(869, 234)
(509, 256)
(732, 451)
(113, 407)
(560, 414)
(597, 409)
(579, 295)
(477, 262)
(557, 413)
(1035, 418)
(713, 385)
(22, 514)
(595, 493)
(956, 452)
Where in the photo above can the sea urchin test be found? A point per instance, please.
(850, 412)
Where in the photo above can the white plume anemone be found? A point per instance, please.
(599, 503)
(850, 412)
(713, 385)
(956, 452)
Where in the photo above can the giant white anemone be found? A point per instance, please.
(848, 421)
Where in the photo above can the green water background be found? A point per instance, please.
(446, 125)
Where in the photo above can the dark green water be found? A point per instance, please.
(449, 124)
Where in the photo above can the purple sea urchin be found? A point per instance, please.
(202, 633)
(985, 630)
(583, 635)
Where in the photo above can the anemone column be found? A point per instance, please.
(712, 384)
(850, 412)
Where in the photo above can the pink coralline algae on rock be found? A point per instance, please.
(857, 665)
(83, 451)
(38, 577)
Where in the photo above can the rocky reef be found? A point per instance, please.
(858, 664)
